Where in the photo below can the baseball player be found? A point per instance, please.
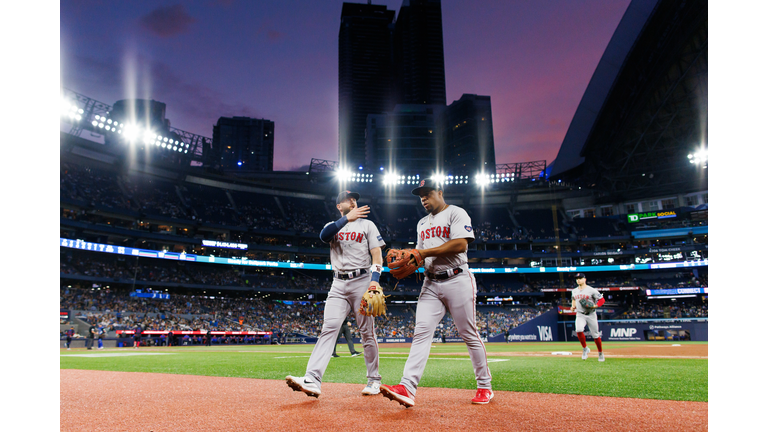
(449, 285)
(357, 263)
(70, 335)
(101, 337)
(586, 315)
(137, 337)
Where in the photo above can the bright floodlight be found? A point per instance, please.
(439, 178)
(482, 179)
(699, 156)
(343, 174)
(131, 131)
(390, 178)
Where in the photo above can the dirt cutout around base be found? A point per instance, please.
(132, 401)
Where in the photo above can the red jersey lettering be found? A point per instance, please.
(446, 232)
(360, 237)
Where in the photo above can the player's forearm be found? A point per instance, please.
(451, 247)
(376, 266)
(376, 256)
(326, 235)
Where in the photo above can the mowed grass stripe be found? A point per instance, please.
(668, 379)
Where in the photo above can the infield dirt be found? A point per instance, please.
(131, 401)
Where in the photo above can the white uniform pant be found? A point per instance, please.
(457, 296)
(343, 296)
(589, 321)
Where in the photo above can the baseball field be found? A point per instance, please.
(537, 386)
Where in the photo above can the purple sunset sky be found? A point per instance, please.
(279, 60)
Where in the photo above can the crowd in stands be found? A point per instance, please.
(91, 186)
(117, 310)
(486, 231)
(666, 311)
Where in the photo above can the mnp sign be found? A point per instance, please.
(669, 329)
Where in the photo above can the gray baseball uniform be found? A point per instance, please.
(456, 293)
(582, 319)
(350, 254)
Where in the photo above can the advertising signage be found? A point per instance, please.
(244, 261)
(637, 217)
(228, 245)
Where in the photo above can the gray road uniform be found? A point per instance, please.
(449, 285)
(583, 319)
(351, 262)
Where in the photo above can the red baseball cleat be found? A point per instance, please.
(483, 396)
(399, 394)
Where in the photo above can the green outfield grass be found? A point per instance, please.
(670, 379)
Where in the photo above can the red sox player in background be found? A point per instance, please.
(449, 285)
(586, 316)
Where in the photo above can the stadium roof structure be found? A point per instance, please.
(645, 108)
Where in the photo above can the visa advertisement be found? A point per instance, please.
(543, 328)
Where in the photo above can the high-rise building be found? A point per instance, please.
(419, 59)
(244, 143)
(466, 134)
(405, 139)
(365, 74)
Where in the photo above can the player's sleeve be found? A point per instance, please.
(419, 243)
(598, 298)
(374, 237)
(330, 229)
(461, 225)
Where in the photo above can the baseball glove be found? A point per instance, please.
(373, 302)
(398, 261)
(588, 305)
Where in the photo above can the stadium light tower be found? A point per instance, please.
(390, 178)
(438, 177)
(482, 179)
(700, 157)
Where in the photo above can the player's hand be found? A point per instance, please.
(358, 212)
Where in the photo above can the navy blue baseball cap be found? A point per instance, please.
(427, 185)
(579, 276)
(347, 194)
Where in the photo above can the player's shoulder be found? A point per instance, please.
(366, 223)
(453, 208)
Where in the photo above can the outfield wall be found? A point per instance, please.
(693, 329)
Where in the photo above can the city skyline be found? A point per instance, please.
(279, 61)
